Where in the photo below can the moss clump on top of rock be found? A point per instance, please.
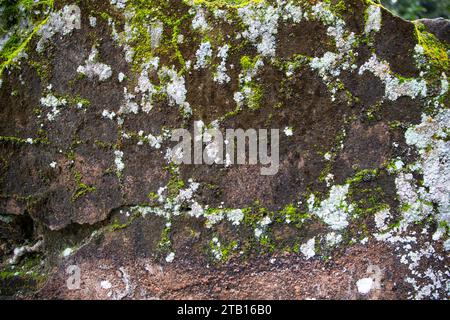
(19, 22)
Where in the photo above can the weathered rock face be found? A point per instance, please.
(88, 171)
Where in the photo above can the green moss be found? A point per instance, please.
(373, 112)
(43, 69)
(254, 214)
(105, 16)
(370, 200)
(391, 165)
(232, 113)
(174, 42)
(13, 140)
(267, 244)
(254, 91)
(444, 225)
(395, 124)
(78, 101)
(5, 275)
(296, 248)
(11, 275)
(367, 198)
(326, 171)
(152, 196)
(394, 225)
(70, 155)
(81, 191)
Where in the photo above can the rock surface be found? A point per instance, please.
(86, 164)
(439, 27)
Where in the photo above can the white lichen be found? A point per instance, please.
(105, 285)
(199, 21)
(247, 91)
(431, 139)
(108, 114)
(331, 64)
(67, 252)
(262, 226)
(120, 77)
(175, 88)
(381, 218)
(333, 239)
(156, 31)
(262, 27)
(326, 64)
(129, 105)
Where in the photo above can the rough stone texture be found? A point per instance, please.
(349, 118)
(440, 27)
